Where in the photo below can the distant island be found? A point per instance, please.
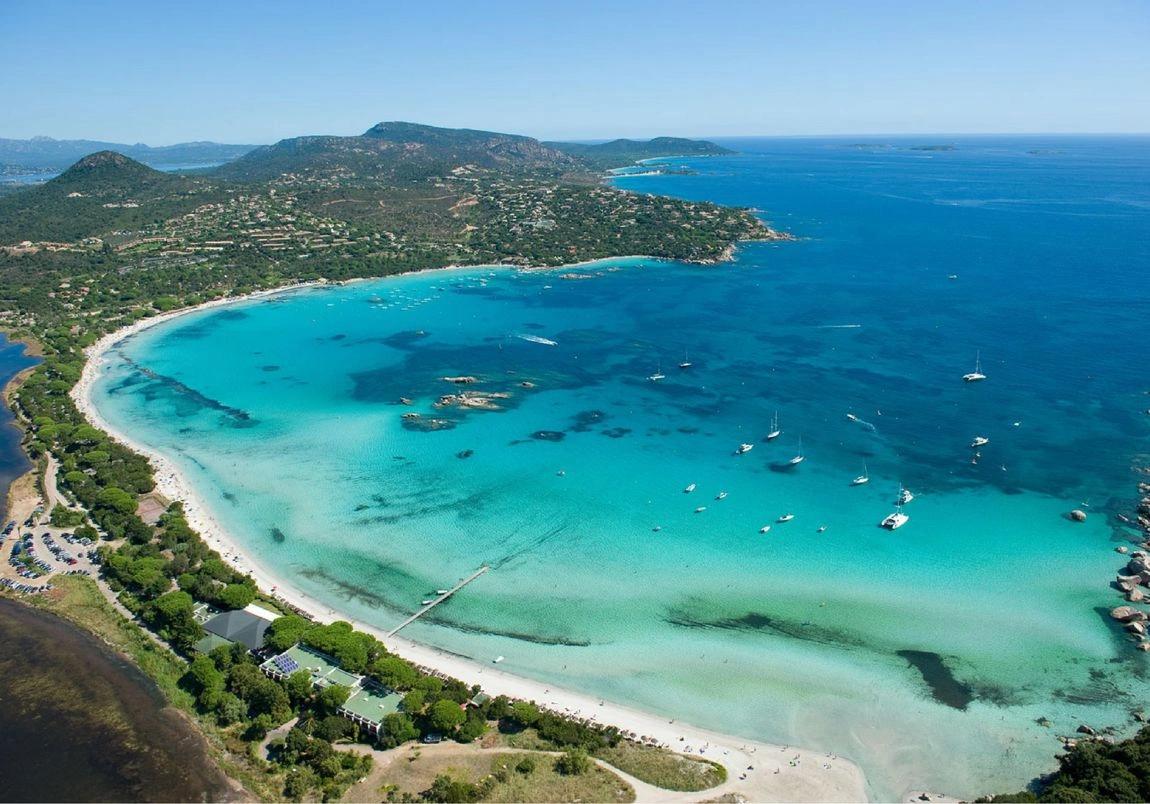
(46, 155)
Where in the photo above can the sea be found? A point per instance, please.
(950, 654)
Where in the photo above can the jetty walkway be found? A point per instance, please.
(438, 600)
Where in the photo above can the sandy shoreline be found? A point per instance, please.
(772, 772)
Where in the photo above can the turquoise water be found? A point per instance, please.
(925, 654)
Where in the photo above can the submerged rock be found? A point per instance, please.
(1127, 614)
(1078, 515)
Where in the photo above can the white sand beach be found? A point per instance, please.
(756, 771)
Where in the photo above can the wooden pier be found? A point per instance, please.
(438, 600)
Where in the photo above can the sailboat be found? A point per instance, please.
(895, 520)
(686, 364)
(863, 478)
(795, 461)
(904, 495)
(775, 431)
(658, 375)
(976, 375)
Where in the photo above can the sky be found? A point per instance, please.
(255, 71)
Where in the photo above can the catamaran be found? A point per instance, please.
(658, 375)
(795, 461)
(895, 520)
(863, 478)
(775, 431)
(977, 374)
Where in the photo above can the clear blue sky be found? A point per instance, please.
(254, 71)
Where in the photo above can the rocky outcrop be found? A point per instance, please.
(1127, 614)
(1078, 515)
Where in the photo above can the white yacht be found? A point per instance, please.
(795, 461)
(765, 529)
(700, 509)
(686, 364)
(658, 375)
(775, 431)
(821, 529)
(744, 448)
(786, 518)
(861, 479)
(977, 374)
(722, 495)
(979, 441)
(895, 520)
(904, 496)
(689, 489)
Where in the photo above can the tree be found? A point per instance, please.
(202, 675)
(299, 686)
(413, 702)
(446, 789)
(573, 763)
(117, 500)
(230, 709)
(473, 728)
(237, 595)
(398, 728)
(331, 698)
(445, 716)
(286, 631)
(526, 766)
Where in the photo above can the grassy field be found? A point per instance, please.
(417, 768)
(664, 768)
(656, 766)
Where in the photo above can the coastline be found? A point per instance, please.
(805, 776)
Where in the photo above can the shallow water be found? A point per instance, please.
(926, 654)
(78, 723)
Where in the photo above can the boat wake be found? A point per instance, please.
(839, 326)
(536, 339)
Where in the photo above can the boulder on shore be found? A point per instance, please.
(1136, 628)
(1135, 596)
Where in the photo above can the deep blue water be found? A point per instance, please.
(948, 638)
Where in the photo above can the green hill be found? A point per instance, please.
(103, 191)
(397, 151)
(620, 153)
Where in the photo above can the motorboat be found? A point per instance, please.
(979, 441)
(786, 518)
(689, 489)
(743, 449)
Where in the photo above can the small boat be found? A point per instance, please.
(426, 602)
(775, 431)
(895, 520)
(658, 375)
(821, 529)
(785, 518)
(689, 489)
(795, 461)
(743, 449)
(497, 660)
(537, 339)
(904, 496)
(722, 495)
(442, 591)
(657, 528)
(765, 529)
(852, 417)
(861, 479)
(686, 364)
(976, 375)
(979, 441)
(700, 509)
